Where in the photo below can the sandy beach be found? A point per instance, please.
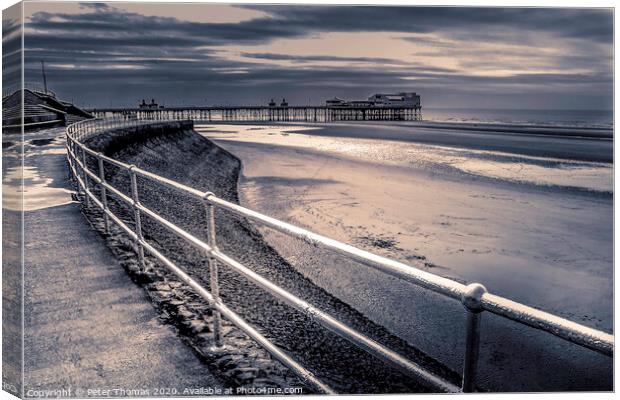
(529, 216)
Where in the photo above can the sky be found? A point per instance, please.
(103, 54)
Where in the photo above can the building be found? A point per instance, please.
(403, 99)
(283, 104)
(335, 102)
(360, 103)
(32, 109)
(152, 105)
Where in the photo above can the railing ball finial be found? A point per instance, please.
(472, 297)
(206, 196)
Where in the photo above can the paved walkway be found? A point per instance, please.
(87, 325)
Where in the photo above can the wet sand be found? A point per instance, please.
(543, 241)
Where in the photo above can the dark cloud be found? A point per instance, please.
(296, 21)
(312, 58)
(400, 65)
(11, 48)
(46, 41)
(106, 53)
(114, 22)
(95, 6)
(10, 27)
(594, 24)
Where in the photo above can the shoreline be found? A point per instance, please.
(595, 149)
(558, 131)
(576, 148)
(591, 132)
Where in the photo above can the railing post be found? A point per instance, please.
(104, 197)
(71, 160)
(85, 177)
(76, 170)
(471, 300)
(136, 213)
(213, 273)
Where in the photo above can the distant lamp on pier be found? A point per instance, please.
(284, 103)
(272, 103)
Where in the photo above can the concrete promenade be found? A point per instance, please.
(87, 325)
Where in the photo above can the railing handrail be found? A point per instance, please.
(474, 296)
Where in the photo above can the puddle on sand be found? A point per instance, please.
(37, 192)
(34, 147)
(48, 146)
(42, 142)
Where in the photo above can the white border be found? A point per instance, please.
(499, 3)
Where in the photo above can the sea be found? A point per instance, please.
(567, 118)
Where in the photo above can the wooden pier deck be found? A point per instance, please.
(268, 114)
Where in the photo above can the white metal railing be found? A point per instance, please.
(474, 297)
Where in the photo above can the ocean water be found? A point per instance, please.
(568, 118)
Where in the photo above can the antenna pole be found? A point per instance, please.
(44, 77)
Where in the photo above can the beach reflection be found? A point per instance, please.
(591, 176)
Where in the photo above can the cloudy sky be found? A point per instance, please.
(118, 53)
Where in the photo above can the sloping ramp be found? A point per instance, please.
(41, 110)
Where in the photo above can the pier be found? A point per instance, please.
(267, 113)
